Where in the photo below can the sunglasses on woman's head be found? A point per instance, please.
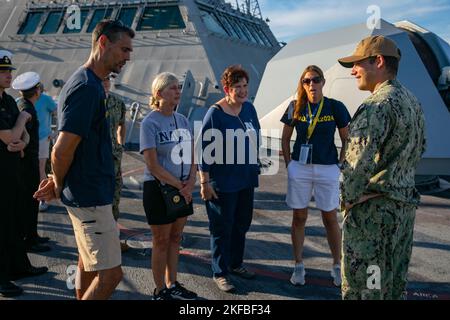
(316, 80)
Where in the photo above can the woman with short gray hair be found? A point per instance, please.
(164, 132)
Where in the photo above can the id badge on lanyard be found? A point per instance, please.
(307, 148)
(305, 154)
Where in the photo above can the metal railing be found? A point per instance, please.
(135, 108)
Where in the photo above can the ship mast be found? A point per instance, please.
(252, 8)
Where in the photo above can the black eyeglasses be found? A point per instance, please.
(316, 80)
(109, 26)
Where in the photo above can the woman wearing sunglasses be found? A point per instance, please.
(313, 165)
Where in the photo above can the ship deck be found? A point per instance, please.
(268, 249)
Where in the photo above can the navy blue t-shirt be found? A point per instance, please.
(334, 114)
(82, 111)
(232, 171)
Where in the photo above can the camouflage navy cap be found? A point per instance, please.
(370, 47)
(5, 60)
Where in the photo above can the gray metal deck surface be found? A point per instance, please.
(268, 249)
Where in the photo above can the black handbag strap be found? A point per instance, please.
(179, 141)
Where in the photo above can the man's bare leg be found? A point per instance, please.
(83, 279)
(104, 284)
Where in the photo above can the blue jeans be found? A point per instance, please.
(230, 217)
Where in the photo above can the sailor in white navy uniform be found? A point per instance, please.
(29, 85)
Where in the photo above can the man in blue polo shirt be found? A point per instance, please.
(82, 162)
(45, 108)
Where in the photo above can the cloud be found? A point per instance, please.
(291, 19)
(419, 12)
(446, 36)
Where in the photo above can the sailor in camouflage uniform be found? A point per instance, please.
(379, 200)
(116, 111)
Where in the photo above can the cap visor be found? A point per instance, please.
(348, 62)
(7, 68)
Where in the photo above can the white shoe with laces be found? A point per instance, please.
(298, 276)
(224, 284)
(336, 275)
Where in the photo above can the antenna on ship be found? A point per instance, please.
(252, 8)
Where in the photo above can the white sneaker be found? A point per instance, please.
(224, 284)
(298, 276)
(336, 275)
(43, 206)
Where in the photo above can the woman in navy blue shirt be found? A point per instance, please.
(313, 165)
(229, 174)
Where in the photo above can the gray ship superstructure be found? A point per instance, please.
(195, 39)
(198, 39)
(424, 69)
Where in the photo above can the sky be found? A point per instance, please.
(291, 19)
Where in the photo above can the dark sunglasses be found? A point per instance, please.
(316, 80)
(109, 26)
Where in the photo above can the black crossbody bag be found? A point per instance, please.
(176, 205)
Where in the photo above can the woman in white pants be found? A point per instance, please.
(313, 165)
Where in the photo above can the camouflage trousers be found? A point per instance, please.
(118, 184)
(376, 249)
